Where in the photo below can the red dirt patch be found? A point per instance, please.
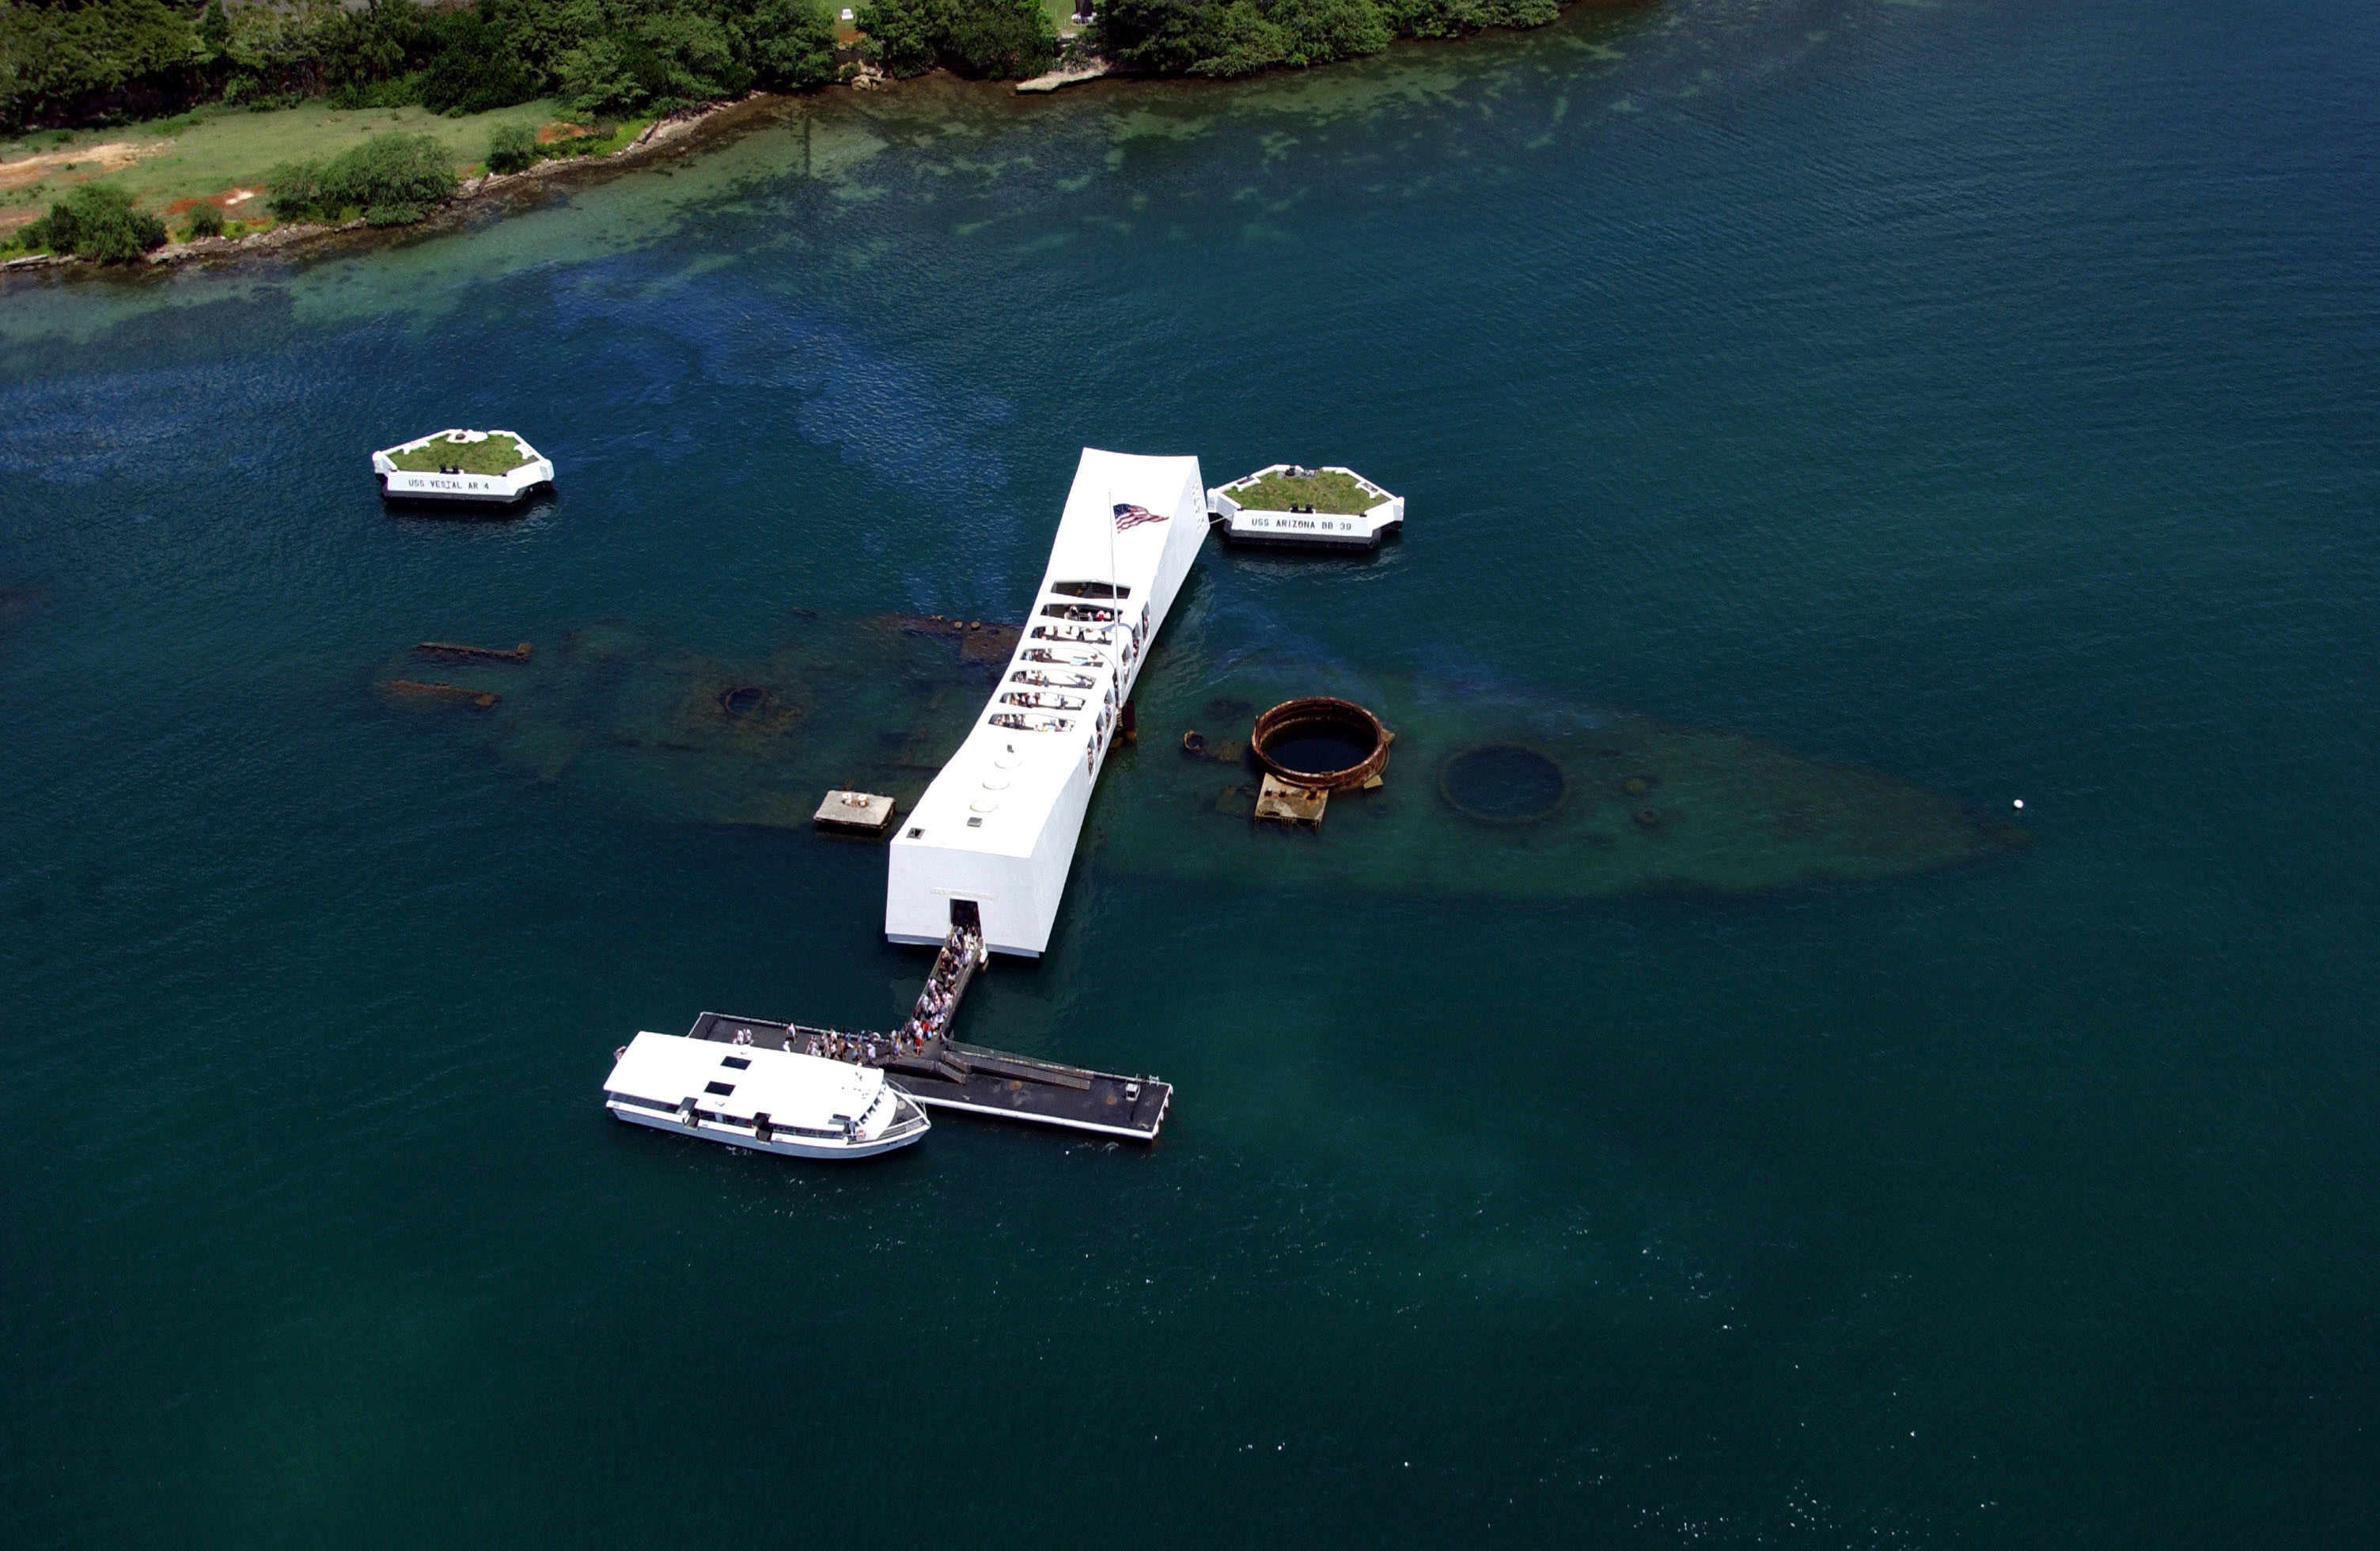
(226, 201)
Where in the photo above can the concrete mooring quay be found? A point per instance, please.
(937, 1071)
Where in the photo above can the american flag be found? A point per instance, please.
(1128, 518)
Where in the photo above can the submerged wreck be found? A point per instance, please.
(1494, 792)
(1485, 790)
(870, 704)
(995, 738)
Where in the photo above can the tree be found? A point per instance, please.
(512, 147)
(1316, 31)
(901, 33)
(97, 221)
(603, 76)
(1000, 39)
(393, 179)
(473, 66)
(993, 37)
(214, 31)
(362, 48)
(55, 54)
(792, 44)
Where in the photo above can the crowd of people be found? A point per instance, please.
(941, 997)
(865, 1049)
(930, 1020)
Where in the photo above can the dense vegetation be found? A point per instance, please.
(998, 38)
(96, 222)
(1319, 490)
(495, 453)
(1237, 36)
(392, 180)
(88, 61)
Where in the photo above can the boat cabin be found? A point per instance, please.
(753, 1089)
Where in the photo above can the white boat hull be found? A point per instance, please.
(747, 1095)
(784, 1147)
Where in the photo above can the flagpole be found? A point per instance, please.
(1116, 607)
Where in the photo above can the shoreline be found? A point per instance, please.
(663, 136)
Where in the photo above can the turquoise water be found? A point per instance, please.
(1983, 395)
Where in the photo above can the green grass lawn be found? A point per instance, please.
(210, 152)
(498, 455)
(1324, 492)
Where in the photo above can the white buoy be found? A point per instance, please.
(2019, 802)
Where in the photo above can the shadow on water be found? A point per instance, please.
(533, 512)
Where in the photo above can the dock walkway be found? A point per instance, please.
(925, 1063)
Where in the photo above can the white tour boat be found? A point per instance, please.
(751, 1095)
(459, 468)
(997, 827)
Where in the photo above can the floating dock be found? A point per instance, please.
(929, 1066)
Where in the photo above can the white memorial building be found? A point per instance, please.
(996, 831)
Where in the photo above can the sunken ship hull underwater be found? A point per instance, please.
(1495, 791)
(1486, 791)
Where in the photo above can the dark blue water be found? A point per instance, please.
(1985, 395)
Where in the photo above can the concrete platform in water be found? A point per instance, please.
(466, 469)
(1291, 506)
